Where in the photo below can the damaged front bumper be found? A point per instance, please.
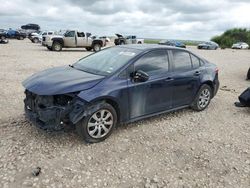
(53, 113)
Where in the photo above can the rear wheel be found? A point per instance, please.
(203, 98)
(3, 37)
(99, 124)
(122, 43)
(21, 38)
(97, 47)
(57, 46)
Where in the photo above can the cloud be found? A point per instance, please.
(180, 19)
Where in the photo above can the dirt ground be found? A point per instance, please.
(180, 149)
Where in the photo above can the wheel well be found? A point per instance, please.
(97, 42)
(113, 104)
(210, 84)
(59, 41)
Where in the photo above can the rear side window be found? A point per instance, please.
(153, 63)
(195, 61)
(80, 34)
(182, 60)
(50, 33)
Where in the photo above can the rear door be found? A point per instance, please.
(70, 39)
(81, 40)
(186, 77)
(155, 94)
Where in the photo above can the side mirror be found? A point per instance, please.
(139, 76)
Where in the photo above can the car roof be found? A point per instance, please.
(144, 47)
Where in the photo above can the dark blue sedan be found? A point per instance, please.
(119, 85)
(172, 43)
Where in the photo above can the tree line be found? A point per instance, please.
(231, 36)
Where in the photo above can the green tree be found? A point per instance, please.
(232, 36)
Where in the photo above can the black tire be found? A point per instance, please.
(199, 105)
(96, 47)
(49, 48)
(139, 42)
(21, 38)
(35, 40)
(122, 43)
(82, 126)
(3, 37)
(56, 46)
(248, 74)
(88, 48)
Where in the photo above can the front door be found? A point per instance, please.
(155, 94)
(70, 39)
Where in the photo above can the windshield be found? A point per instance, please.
(106, 61)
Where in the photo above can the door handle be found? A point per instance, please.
(197, 73)
(168, 79)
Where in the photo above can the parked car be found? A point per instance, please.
(31, 27)
(208, 45)
(107, 39)
(172, 43)
(14, 34)
(118, 85)
(240, 45)
(131, 39)
(3, 34)
(3, 37)
(73, 39)
(38, 37)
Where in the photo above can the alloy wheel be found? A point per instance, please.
(100, 123)
(204, 98)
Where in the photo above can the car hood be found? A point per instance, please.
(55, 36)
(60, 80)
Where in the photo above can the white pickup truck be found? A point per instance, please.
(73, 39)
(130, 39)
(37, 37)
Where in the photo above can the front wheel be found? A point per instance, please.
(21, 38)
(57, 46)
(35, 40)
(97, 47)
(203, 98)
(98, 124)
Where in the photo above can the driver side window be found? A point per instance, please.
(70, 34)
(153, 63)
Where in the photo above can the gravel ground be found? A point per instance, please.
(180, 149)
